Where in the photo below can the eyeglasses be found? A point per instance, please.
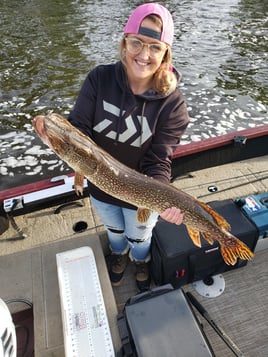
(135, 46)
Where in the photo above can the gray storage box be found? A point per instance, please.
(165, 325)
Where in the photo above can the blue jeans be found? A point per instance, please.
(124, 231)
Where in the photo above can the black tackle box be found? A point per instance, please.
(176, 260)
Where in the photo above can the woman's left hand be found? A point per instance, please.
(172, 215)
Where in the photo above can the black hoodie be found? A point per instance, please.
(141, 131)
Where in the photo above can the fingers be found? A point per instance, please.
(172, 215)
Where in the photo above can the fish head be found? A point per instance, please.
(65, 140)
(52, 130)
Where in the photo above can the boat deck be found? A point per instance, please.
(28, 268)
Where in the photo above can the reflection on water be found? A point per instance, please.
(246, 71)
(42, 58)
(49, 46)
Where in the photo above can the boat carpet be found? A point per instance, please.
(240, 311)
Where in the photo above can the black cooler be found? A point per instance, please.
(176, 260)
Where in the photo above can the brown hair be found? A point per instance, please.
(164, 80)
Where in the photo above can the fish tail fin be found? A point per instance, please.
(233, 248)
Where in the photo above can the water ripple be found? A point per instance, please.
(221, 48)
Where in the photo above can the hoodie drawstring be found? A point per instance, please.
(141, 123)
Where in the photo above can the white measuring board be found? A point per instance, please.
(85, 325)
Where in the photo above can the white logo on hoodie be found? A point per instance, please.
(131, 127)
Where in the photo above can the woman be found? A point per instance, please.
(133, 110)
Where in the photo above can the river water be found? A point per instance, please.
(48, 46)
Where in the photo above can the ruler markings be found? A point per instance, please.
(86, 328)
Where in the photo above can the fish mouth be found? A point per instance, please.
(38, 123)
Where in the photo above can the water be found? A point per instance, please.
(221, 48)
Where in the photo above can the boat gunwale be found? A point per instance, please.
(182, 151)
(219, 141)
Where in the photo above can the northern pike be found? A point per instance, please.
(146, 193)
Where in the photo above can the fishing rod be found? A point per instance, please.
(237, 352)
(235, 186)
(233, 178)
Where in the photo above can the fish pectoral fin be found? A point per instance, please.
(194, 235)
(218, 219)
(207, 236)
(233, 248)
(78, 183)
(143, 215)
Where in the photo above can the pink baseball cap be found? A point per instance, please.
(134, 22)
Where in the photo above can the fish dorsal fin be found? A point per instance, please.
(194, 235)
(218, 219)
(143, 214)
